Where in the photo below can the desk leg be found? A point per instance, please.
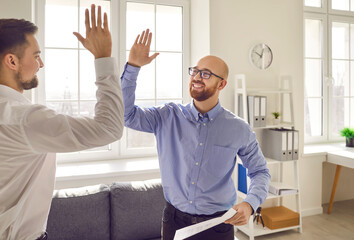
(335, 183)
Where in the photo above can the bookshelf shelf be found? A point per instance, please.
(258, 230)
(285, 96)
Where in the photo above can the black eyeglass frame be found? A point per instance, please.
(200, 71)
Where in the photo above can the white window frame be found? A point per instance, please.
(322, 9)
(117, 28)
(339, 12)
(322, 18)
(331, 19)
(327, 17)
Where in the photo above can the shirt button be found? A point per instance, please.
(211, 119)
(204, 124)
(190, 201)
(197, 163)
(193, 183)
(201, 144)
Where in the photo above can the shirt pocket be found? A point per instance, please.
(221, 161)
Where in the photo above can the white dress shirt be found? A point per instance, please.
(31, 134)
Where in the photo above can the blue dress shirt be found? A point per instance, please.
(197, 153)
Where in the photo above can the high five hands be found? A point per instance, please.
(98, 39)
(139, 53)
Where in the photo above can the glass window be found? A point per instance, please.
(161, 80)
(329, 71)
(313, 78)
(69, 72)
(313, 3)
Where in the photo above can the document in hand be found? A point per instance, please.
(199, 227)
(278, 188)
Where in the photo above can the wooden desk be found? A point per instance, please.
(341, 158)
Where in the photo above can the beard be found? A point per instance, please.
(205, 94)
(26, 85)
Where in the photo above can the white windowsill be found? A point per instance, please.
(99, 169)
(322, 149)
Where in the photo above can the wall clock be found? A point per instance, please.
(261, 56)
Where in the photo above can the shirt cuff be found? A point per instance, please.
(105, 66)
(130, 72)
(253, 202)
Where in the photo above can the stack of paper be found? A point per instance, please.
(278, 188)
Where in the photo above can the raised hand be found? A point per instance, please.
(98, 39)
(139, 53)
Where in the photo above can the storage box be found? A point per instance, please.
(279, 217)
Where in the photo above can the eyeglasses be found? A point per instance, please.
(205, 74)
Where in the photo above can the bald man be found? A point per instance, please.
(197, 144)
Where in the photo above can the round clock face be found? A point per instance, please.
(261, 56)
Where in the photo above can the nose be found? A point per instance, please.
(197, 77)
(41, 64)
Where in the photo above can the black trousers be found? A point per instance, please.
(173, 219)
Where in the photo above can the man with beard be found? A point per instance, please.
(30, 134)
(197, 145)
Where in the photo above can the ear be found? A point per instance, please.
(222, 84)
(11, 61)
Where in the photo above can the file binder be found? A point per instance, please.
(240, 108)
(275, 144)
(242, 179)
(263, 111)
(290, 144)
(279, 188)
(253, 103)
(295, 155)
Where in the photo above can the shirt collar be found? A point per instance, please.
(7, 92)
(212, 114)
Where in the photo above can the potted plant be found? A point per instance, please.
(276, 119)
(348, 133)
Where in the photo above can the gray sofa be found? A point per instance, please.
(121, 211)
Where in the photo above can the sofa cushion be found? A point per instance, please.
(80, 213)
(136, 210)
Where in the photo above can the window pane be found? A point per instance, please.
(140, 16)
(169, 75)
(87, 108)
(340, 40)
(351, 41)
(137, 139)
(340, 114)
(351, 113)
(168, 36)
(67, 107)
(87, 76)
(313, 77)
(58, 29)
(61, 74)
(340, 5)
(351, 5)
(313, 3)
(351, 93)
(313, 117)
(340, 74)
(313, 35)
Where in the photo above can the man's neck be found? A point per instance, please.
(205, 106)
(5, 80)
